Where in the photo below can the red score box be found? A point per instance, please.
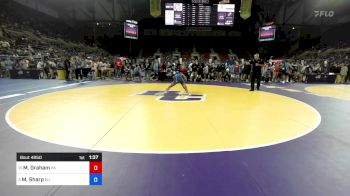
(95, 167)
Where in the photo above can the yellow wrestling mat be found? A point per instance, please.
(335, 91)
(137, 118)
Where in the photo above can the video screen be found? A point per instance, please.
(131, 30)
(267, 33)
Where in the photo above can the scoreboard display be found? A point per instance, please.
(59, 169)
(267, 33)
(131, 29)
(198, 13)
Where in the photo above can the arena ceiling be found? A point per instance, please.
(91, 10)
(295, 12)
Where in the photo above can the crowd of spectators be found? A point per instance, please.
(296, 69)
(92, 66)
(26, 48)
(229, 70)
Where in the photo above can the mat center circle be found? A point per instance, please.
(124, 118)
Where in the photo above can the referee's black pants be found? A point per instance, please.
(255, 76)
(67, 74)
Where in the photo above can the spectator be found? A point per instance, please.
(286, 72)
(162, 71)
(226, 74)
(137, 72)
(212, 72)
(117, 66)
(4, 44)
(206, 73)
(67, 68)
(236, 72)
(343, 73)
(2, 69)
(201, 71)
(267, 73)
(93, 70)
(52, 68)
(337, 69)
(127, 72)
(347, 78)
(78, 71)
(246, 71)
(276, 71)
(47, 70)
(40, 64)
(194, 74)
(24, 64)
(156, 67)
(85, 68)
(9, 64)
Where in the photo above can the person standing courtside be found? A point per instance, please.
(67, 68)
(256, 65)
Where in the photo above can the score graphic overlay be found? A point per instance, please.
(131, 29)
(198, 13)
(59, 169)
(267, 33)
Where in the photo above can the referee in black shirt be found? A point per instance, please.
(67, 68)
(256, 65)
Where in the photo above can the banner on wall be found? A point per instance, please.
(155, 8)
(246, 7)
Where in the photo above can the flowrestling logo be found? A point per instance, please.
(173, 96)
(325, 14)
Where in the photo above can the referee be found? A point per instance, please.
(256, 65)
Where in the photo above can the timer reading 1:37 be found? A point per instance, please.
(93, 157)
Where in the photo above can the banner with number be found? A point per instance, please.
(246, 7)
(155, 8)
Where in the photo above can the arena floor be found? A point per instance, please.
(290, 139)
